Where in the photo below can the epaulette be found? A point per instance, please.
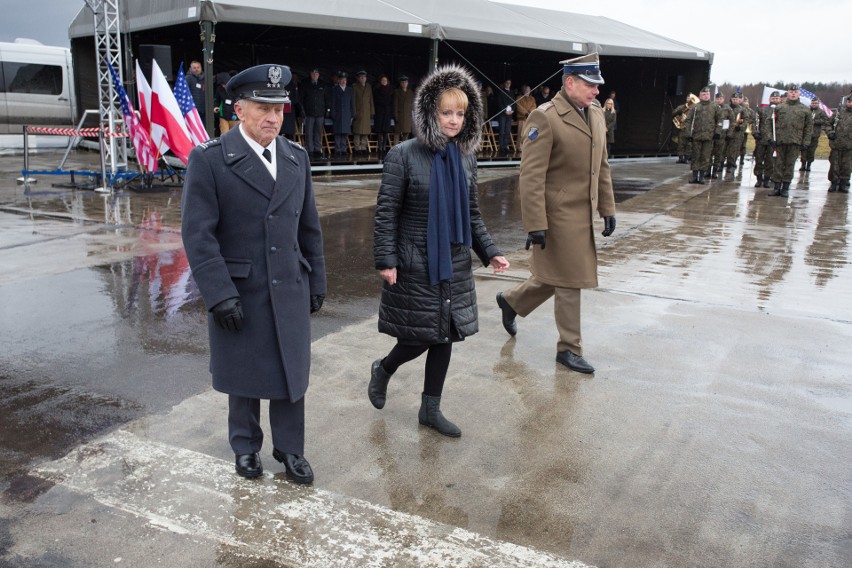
(210, 143)
(296, 144)
(546, 106)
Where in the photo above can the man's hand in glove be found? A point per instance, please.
(717, 136)
(228, 314)
(316, 303)
(609, 225)
(536, 238)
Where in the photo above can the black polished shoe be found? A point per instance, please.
(574, 362)
(298, 468)
(249, 466)
(508, 315)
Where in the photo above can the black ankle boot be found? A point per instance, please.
(843, 187)
(767, 181)
(777, 189)
(833, 187)
(700, 178)
(694, 177)
(430, 415)
(759, 181)
(378, 388)
(785, 189)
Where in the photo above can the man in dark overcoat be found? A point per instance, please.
(564, 181)
(252, 236)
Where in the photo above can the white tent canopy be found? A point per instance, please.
(476, 21)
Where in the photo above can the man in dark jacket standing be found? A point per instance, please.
(564, 181)
(316, 102)
(252, 236)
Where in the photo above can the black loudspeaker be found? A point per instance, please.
(162, 54)
(676, 86)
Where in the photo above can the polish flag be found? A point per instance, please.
(167, 123)
(143, 89)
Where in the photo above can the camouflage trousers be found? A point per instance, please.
(841, 165)
(701, 150)
(683, 147)
(764, 163)
(732, 148)
(811, 153)
(786, 161)
(718, 153)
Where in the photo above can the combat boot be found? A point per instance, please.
(843, 187)
(767, 181)
(729, 172)
(694, 177)
(759, 181)
(714, 172)
(776, 190)
(808, 167)
(785, 189)
(833, 187)
(742, 161)
(700, 178)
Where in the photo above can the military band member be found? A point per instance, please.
(793, 126)
(820, 119)
(764, 141)
(682, 145)
(703, 126)
(720, 143)
(736, 134)
(752, 117)
(839, 134)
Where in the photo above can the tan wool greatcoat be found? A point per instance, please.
(564, 179)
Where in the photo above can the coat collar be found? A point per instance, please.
(569, 114)
(245, 164)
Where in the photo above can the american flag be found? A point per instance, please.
(809, 95)
(146, 153)
(188, 110)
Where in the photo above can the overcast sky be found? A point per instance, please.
(752, 41)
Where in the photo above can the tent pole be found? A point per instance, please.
(433, 55)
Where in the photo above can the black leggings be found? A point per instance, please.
(437, 363)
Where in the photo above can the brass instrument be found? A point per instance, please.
(680, 120)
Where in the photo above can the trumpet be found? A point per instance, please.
(680, 120)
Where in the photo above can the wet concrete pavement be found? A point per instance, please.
(715, 431)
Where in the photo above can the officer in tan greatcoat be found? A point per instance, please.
(564, 180)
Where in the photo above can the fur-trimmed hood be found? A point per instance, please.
(426, 109)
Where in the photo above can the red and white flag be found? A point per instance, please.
(167, 122)
(145, 151)
(187, 107)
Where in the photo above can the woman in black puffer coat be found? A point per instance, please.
(427, 222)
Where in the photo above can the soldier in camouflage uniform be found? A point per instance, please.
(820, 120)
(720, 144)
(764, 141)
(682, 145)
(793, 127)
(703, 125)
(752, 117)
(839, 134)
(736, 134)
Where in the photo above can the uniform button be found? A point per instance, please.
(295, 247)
(273, 249)
(271, 217)
(296, 212)
(299, 280)
(446, 339)
(447, 301)
(275, 282)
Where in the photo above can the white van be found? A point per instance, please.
(36, 86)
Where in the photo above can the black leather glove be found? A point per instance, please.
(228, 314)
(831, 135)
(716, 136)
(316, 303)
(536, 238)
(609, 225)
(803, 147)
(737, 128)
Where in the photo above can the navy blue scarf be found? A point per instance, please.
(449, 212)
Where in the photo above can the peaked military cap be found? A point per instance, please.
(792, 87)
(261, 83)
(361, 73)
(706, 90)
(586, 67)
(342, 75)
(719, 95)
(774, 94)
(403, 78)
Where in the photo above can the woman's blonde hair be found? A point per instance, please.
(453, 95)
(611, 104)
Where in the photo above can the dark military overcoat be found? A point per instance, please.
(248, 235)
